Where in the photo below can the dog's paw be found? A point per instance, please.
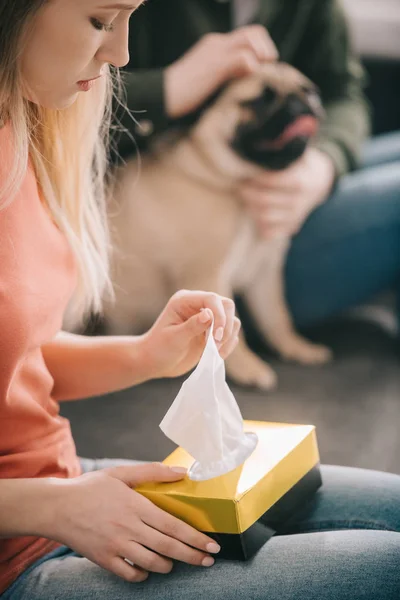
(299, 350)
(251, 371)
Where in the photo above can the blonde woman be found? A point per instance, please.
(70, 534)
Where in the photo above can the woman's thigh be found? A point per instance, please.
(351, 499)
(335, 565)
(360, 559)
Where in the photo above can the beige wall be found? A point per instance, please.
(376, 26)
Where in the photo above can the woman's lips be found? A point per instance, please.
(87, 84)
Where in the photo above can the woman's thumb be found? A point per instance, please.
(146, 473)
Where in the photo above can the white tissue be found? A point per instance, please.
(205, 419)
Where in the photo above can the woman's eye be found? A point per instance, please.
(108, 27)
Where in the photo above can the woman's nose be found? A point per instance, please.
(116, 51)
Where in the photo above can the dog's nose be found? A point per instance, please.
(295, 105)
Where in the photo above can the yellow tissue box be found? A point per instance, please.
(243, 509)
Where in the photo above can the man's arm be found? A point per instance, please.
(326, 57)
(147, 116)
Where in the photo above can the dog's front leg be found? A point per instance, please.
(243, 366)
(246, 368)
(265, 299)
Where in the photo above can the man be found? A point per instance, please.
(349, 248)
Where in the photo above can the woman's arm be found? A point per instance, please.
(100, 517)
(89, 366)
(84, 366)
(27, 506)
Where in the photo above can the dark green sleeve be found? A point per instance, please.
(144, 97)
(326, 57)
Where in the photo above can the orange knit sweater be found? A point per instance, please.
(37, 278)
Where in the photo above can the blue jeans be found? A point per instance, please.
(344, 546)
(349, 248)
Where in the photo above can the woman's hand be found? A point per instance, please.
(99, 516)
(214, 60)
(176, 341)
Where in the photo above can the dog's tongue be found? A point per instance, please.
(305, 126)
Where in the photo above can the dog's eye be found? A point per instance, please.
(266, 98)
(269, 95)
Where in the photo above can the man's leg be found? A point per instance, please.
(381, 150)
(349, 248)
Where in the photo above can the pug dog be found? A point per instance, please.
(177, 221)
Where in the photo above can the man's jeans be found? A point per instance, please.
(349, 249)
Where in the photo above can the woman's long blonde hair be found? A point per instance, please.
(68, 149)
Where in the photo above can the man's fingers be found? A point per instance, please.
(274, 232)
(260, 197)
(288, 179)
(257, 38)
(275, 216)
(243, 62)
(262, 43)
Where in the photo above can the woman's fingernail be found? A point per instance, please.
(213, 548)
(205, 316)
(208, 561)
(219, 334)
(179, 470)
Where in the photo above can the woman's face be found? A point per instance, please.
(71, 42)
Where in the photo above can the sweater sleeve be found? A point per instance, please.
(326, 57)
(146, 115)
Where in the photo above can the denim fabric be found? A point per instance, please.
(344, 546)
(349, 248)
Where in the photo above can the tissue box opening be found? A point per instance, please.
(243, 509)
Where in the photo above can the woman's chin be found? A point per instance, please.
(65, 102)
(54, 103)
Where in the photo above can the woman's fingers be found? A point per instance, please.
(228, 347)
(198, 301)
(176, 529)
(169, 546)
(230, 310)
(145, 559)
(188, 303)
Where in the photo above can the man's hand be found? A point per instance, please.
(281, 201)
(214, 60)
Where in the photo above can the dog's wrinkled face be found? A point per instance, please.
(279, 112)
